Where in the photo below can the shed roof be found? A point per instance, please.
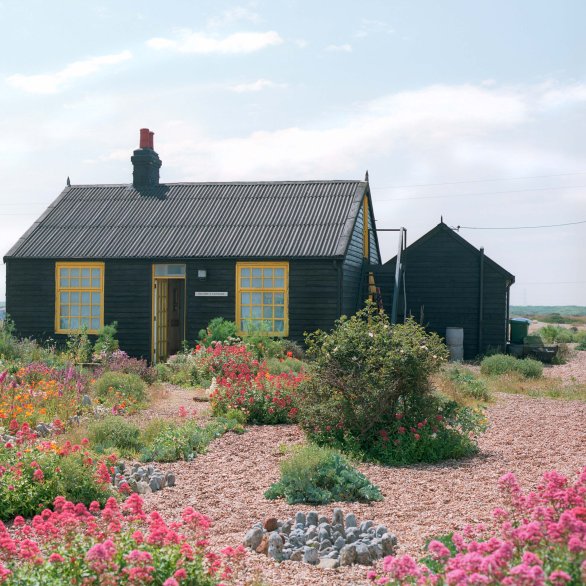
(442, 228)
(197, 220)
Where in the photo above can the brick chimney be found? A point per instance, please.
(145, 161)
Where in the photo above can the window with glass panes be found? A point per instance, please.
(79, 297)
(262, 297)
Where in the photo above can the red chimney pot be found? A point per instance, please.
(145, 138)
(152, 140)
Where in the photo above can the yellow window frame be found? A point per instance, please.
(365, 232)
(78, 289)
(285, 290)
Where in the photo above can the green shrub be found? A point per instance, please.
(530, 368)
(79, 346)
(24, 351)
(22, 492)
(468, 384)
(184, 441)
(367, 375)
(114, 387)
(79, 484)
(293, 349)
(556, 334)
(280, 365)
(503, 363)
(115, 432)
(106, 342)
(261, 343)
(320, 475)
(581, 346)
(218, 330)
(186, 370)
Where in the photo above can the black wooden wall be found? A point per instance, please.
(354, 267)
(442, 282)
(314, 297)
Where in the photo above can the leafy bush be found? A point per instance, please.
(32, 477)
(366, 377)
(451, 432)
(265, 399)
(24, 351)
(556, 334)
(504, 363)
(281, 365)
(468, 384)
(184, 441)
(106, 342)
(537, 539)
(187, 369)
(79, 346)
(581, 346)
(118, 388)
(115, 432)
(119, 361)
(292, 349)
(79, 483)
(39, 392)
(218, 330)
(113, 545)
(530, 368)
(261, 343)
(319, 476)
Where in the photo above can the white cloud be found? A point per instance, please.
(205, 44)
(301, 43)
(368, 27)
(233, 15)
(345, 48)
(433, 132)
(256, 86)
(557, 97)
(50, 83)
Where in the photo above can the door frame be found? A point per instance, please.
(154, 279)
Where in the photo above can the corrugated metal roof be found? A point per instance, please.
(182, 220)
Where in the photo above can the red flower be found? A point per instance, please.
(38, 475)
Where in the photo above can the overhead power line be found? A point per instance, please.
(519, 227)
(480, 180)
(480, 194)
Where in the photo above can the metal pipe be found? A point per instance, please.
(397, 279)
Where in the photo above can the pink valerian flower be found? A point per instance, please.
(38, 475)
(4, 571)
(180, 574)
(559, 578)
(170, 582)
(56, 558)
(101, 551)
(438, 550)
(548, 521)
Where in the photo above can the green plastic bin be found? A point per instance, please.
(519, 329)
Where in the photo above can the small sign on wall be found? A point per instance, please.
(211, 293)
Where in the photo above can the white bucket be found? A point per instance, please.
(454, 336)
(456, 353)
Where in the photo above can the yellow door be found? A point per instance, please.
(160, 319)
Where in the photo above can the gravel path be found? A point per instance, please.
(527, 436)
(573, 371)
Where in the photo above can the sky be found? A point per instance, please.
(470, 111)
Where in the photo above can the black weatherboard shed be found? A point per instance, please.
(447, 282)
(164, 259)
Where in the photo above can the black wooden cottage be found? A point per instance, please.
(447, 282)
(163, 259)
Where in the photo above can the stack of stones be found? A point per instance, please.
(316, 540)
(142, 479)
